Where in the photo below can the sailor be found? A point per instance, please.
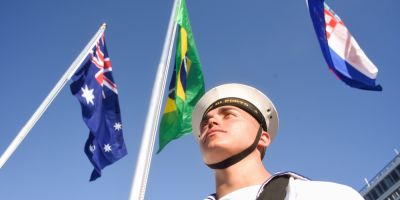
(234, 124)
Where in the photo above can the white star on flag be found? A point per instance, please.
(92, 148)
(88, 94)
(107, 148)
(118, 126)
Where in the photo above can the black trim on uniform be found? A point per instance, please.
(275, 189)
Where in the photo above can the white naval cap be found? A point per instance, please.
(245, 97)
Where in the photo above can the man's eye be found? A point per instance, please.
(228, 115)
(203, 123)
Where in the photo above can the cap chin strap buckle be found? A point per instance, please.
(238, 157)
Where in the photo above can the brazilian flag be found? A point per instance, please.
(187, 84)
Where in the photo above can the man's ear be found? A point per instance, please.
(265, 139)
(263, 143)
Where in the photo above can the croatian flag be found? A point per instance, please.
(94, 87)
(343, 55)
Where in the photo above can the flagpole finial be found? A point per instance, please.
(103, 26)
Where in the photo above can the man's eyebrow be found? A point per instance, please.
(222, 109)
(227, 108)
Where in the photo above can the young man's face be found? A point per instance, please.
(226, 131)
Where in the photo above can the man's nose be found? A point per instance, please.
(213, 121)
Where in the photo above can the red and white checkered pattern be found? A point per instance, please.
(331, 21)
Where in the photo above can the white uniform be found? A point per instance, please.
(299, 188)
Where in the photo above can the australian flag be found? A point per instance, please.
(96, 91)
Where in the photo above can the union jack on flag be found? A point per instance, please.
(100, 59)
(94, 87)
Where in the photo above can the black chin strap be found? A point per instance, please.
(238, 157)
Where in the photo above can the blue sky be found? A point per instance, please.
(328, 131)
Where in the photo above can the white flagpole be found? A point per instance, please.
(150, 130)
(50, 97)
